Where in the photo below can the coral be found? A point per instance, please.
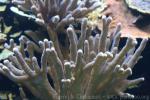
(94, 66)
(55, 15)
(59, 13)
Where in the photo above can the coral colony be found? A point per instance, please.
(95, 67)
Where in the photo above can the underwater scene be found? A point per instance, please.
(74, 50)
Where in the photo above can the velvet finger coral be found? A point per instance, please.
(58, 13)
(95, 69)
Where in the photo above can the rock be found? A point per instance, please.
(142, 6)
